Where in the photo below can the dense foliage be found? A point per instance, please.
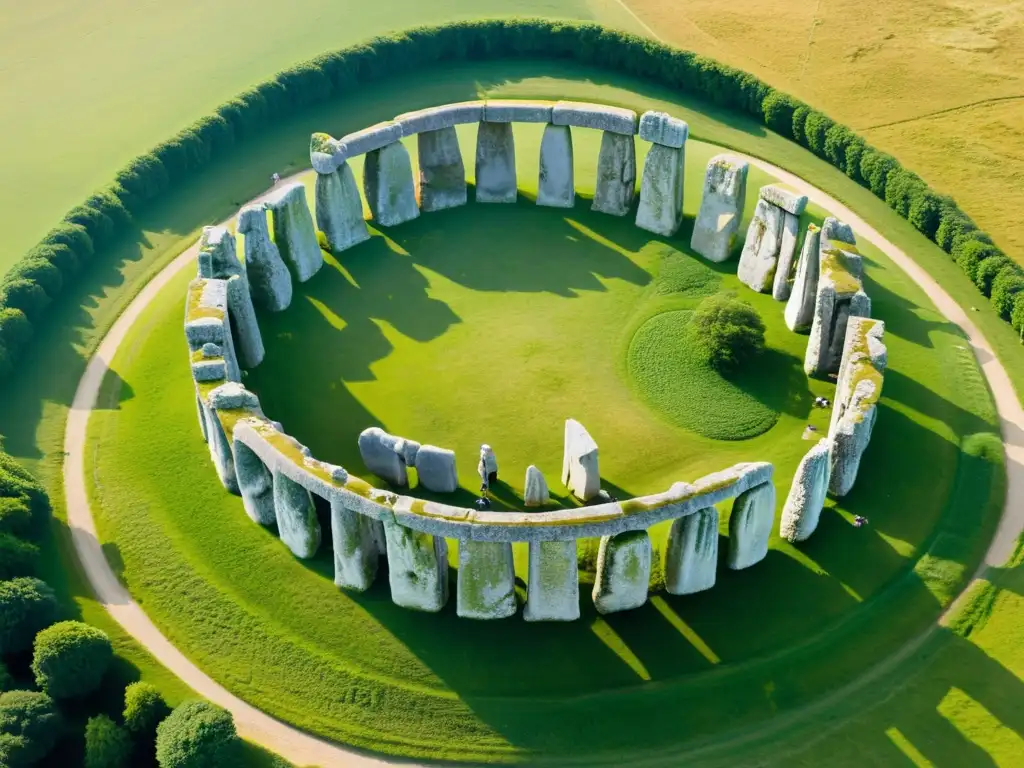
(27, 605)
(144, 708)
(729, 330)
(196, 734)
(107, 744)
(70, 658)
(29, 727)
(17, 557)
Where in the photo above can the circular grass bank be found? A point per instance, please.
(647, 683)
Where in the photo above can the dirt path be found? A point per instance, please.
(303, 749)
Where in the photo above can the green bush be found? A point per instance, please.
(973, 255)
(196, 734)
(987, 271)
(1007, 284)
(1017, 313)
(15, 480)
(15, 516)
(70, 658)
(953, 223)
(27, 605)
(144, 708)
(875, 168)
(815, 130)
(837, 139)
(17, 557)
(730, 331)
(74, 236)
(778, 109)
(15, 329)
(26, 295)
(800, 124)
(29, 727)
(107, 745)
(40, 271)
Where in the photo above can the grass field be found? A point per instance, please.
(569, 290)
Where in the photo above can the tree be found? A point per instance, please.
(144, 708)
(196, 734)
(29, 727)
(17, 557)
(6, 681)
(70, 658)
(730, 331)
(107, 745)
(27, 605)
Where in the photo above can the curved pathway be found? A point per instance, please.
(303, 749)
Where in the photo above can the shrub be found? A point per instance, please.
(17, 557)
(730, 331)
(1017, 313)
(27, 605)
(74, 236)
(973, 255)
(96, 223)
(107, 745)
(875, 168)
(15, 516)
(778, 109)
(815, 130)
(800, 123)
(837, 139)
(987, 271)
(1007, 284)
(925, 211)
(26, 295)
(953, 223)
(15, 329)
(70, 658)
(144, 708)
(15, 480)
(196, 734)
(29, 727)
(39, 271)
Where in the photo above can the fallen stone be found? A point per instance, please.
(442, 172)
(435, 468)
(556, 186)
(760, 254)
(510, 111)
(270, 282)
(496, 180)
(806, 498)
(799, 312)
(297, 524)
(553, 590)
(371, 139)
(325, 153)
(439, 118)
(623, 572)
(580, 472)
(536, 493)
(417, 568)
(661, 191)
(691, 555)
(597, 116)
(218, 259)
(750, 526)
(377, 449)
(356, 553)
(339, 209)
(784, 198)
(661, 128)
(781, 287)
(294, 232)
(487, 580)
(721, 208)
(389, 185)
(616, 174)
(256, 485)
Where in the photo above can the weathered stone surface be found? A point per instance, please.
(232, 396)
(512, 111)
(553, 589)
(356, 553)
(325, 153)
(487, 580)
(488, 463)
(616, 174)
(787, 199)
(220, 451)
(270, 282)
(806, 498)
(840, 296)
(435, 468)
(417, 568)
(389, 185)
(206, 323)
(858, 390)
(799, 312)
(623, 572)
(294, 232)
(721, 208)
(371, 139)
(834, 229)
(536, 493)
(256, 485)
(598, 116)
(496, 180)
(787, 251)
(218, 259)
(442, 172)
(438, 118)
(339, 209)
(297, 524)
(580, 472)
(378, 451)
(750, 526)
(662, 128)
(760, 254)
(556, 187)
(691, 555)
(661, 191)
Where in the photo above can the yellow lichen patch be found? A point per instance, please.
(842, 245)
(835, 269)
(195, 309)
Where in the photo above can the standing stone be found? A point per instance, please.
(800, 307)
(220, 452)
(355, 548)
(218, 259)
(661, 191)
(435, 468)
(623, 572)
(691, 557)
(536, 493)
(785, 198)
(616, 174)
(270, 282)
(580, 473)
(417, 568)
(761, 249)
(556, 186)
(806, 498)
(487, 580)
(442, 171)
(389, 186)
(202, 417)
(496, 180)
(297, 524)
(787, 250)
(378, 451)
(294, 232)
(721, 208)
(750, 526)
(208, 331)
(255, 483)
(339, 209)
(834, 229)
(553, 589)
